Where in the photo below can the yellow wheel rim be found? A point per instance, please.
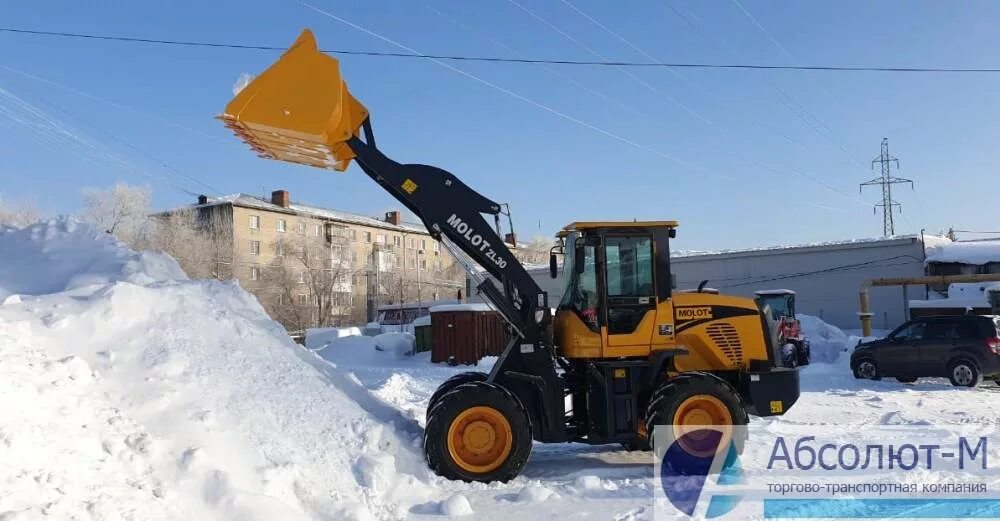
(480, 439)
(692, 417)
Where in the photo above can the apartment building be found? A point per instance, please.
(311, 266)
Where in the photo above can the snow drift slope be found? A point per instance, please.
(130, 392)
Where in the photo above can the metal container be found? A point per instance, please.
(466, 336)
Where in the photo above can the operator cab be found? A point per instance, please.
(615, 274)
(781, 302)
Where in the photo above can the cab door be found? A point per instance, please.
(630, 294)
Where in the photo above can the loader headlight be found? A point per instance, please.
(539, 315)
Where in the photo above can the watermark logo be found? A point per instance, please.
(782, 470)
(695, 470)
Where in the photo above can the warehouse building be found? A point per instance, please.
(826, 277)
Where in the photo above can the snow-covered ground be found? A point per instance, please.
(130, 392)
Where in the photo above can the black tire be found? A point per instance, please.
(996, 380)
(906, 379)
(964, 373)
(670, 394)
(862, 371)
(637, 444)
(463, 398)
(451, 383)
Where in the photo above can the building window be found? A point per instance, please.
(302, 228)
(423, 265)
(354, 235)
(410, 243)
(280, 226)
(279, 249)
(303, 300)
(254, 273)
(368, 236)
(423, 244)
(254, 222)
(380, 238)
(316, 230)
(254, 247)
(437, 247)
(302, 277)
(397, 240)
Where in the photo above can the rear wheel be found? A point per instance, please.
(867, 369)
(964, 373)
(448, 385)
(477, 432)
(693, 400)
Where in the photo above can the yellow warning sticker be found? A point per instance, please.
(409, 186)
(619, 373)
(777, 407)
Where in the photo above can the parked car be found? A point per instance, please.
(965, 349)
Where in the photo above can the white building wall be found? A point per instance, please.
(826, 278)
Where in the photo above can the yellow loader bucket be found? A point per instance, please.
(299, 110)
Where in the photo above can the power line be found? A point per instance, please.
(501, 59)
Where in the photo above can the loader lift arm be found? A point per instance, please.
(450, 208)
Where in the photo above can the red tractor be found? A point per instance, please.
(794, 345)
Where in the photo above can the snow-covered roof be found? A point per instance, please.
(475, 306)
(858, 243)
(972, 252)
(250, 201)
(961, 295)
(774, 292)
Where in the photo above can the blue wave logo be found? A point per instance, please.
(688, 464)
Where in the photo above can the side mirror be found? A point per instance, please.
(580, 263)
(553, 266)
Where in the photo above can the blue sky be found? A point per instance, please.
(741, 158)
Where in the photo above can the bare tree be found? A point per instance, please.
(122, 211)
(201, 245)
(312, 282)
(21, 214)
(536, 251)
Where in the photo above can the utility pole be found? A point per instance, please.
(886, 180)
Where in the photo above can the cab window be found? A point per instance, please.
(629, 266)
(580, 294)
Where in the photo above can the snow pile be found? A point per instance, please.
(400, 344)
(62, 254)
(977, 252)
(320, 337)
(130, 392)
(826, 342)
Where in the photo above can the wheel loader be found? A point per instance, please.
(623, 352)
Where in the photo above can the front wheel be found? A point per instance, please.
(477, 432)
(866, 368)
(693, 400)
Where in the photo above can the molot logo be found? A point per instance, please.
(476, 240)
(694, 466)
